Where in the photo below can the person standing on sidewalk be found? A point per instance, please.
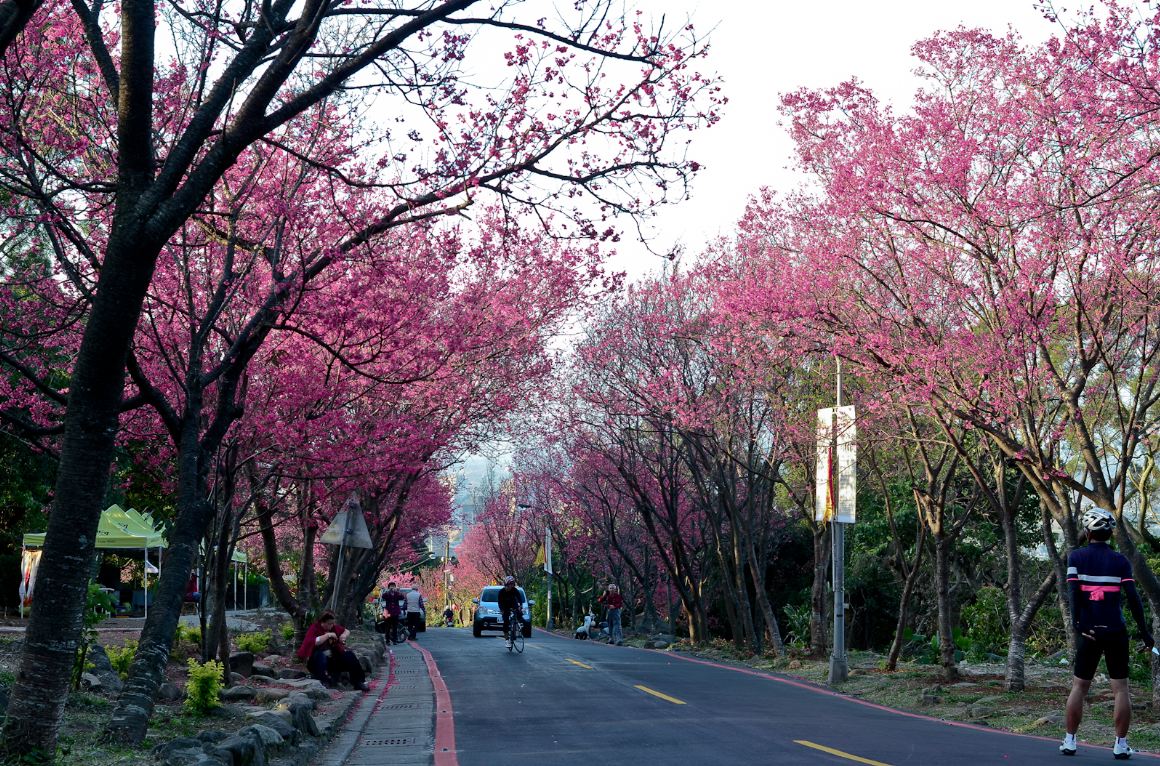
(1095, 577)
(612, 599)
(392, 604)
(415, 607)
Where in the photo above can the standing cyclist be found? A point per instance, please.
(1095, 576)
(509, 601)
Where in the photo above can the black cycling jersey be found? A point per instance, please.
(509, 599)
(1095, 576)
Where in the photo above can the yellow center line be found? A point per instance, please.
(655, 693)
(581, 664)
(839, 753)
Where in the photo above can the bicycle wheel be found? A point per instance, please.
(517, 638)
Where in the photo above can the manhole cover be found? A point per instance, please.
(390, 742)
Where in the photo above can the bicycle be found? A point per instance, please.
(515, 634)
(398, 634)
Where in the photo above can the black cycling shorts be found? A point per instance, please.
(1112, 644)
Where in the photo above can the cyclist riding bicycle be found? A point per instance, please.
(509, 601)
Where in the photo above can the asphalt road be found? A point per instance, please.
(575, 702)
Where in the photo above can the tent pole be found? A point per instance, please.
(23, 550)
(145, 574)
(245, 582)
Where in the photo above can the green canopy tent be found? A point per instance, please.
(239, 557)
(118, 529)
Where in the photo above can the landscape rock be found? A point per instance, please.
(280, 724)
(91, 682)
(238, 693)
(242, 662)
(261, 669)
(311, 687)
(3, 700)
(211, 736)
(237, 678)
(292, 673)
(660, 645)
(110, 680)
(244, 750)
(169, 692)
(268, 735)
(275, 694)
(262, 679)
(299, 699)
(1051, 719)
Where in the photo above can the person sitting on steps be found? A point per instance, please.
(325, 653)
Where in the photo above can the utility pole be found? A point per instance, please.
(447, 569)
(839, 666)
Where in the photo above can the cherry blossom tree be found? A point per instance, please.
(151, 132)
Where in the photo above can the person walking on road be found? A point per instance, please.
(415, 607)
(612, 599)
(1095, 577)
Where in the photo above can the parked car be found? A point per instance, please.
(488, 617)
(422, 612)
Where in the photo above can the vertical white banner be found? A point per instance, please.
(548, 551)
(835, 491)
(823, 501)
(847, 464)
(29, 563)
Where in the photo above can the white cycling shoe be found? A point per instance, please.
(1122, 751)
(1068, 746)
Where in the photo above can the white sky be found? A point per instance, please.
(764, 49)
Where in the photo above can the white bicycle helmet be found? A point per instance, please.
(1097, 519)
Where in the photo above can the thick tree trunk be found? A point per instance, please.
(766, 609)
(819, 638)
(130, 718)
(1016, 651)
(946, 640)
(36, 705)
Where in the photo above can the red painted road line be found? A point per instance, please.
(867, 703)
(444, 715)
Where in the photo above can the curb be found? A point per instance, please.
(334, 722)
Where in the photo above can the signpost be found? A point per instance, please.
(349, 529)
(834, 502)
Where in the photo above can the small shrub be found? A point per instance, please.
(1047, 635)
(797, 623)
(98, 606)
(122, 657)
(203, 687)
(257, 642)
(986, 621)
(287, 631)
(189, 633)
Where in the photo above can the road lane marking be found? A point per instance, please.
(581, 664)
(655, 693)
(839, 753)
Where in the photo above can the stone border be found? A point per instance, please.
(290, 734)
